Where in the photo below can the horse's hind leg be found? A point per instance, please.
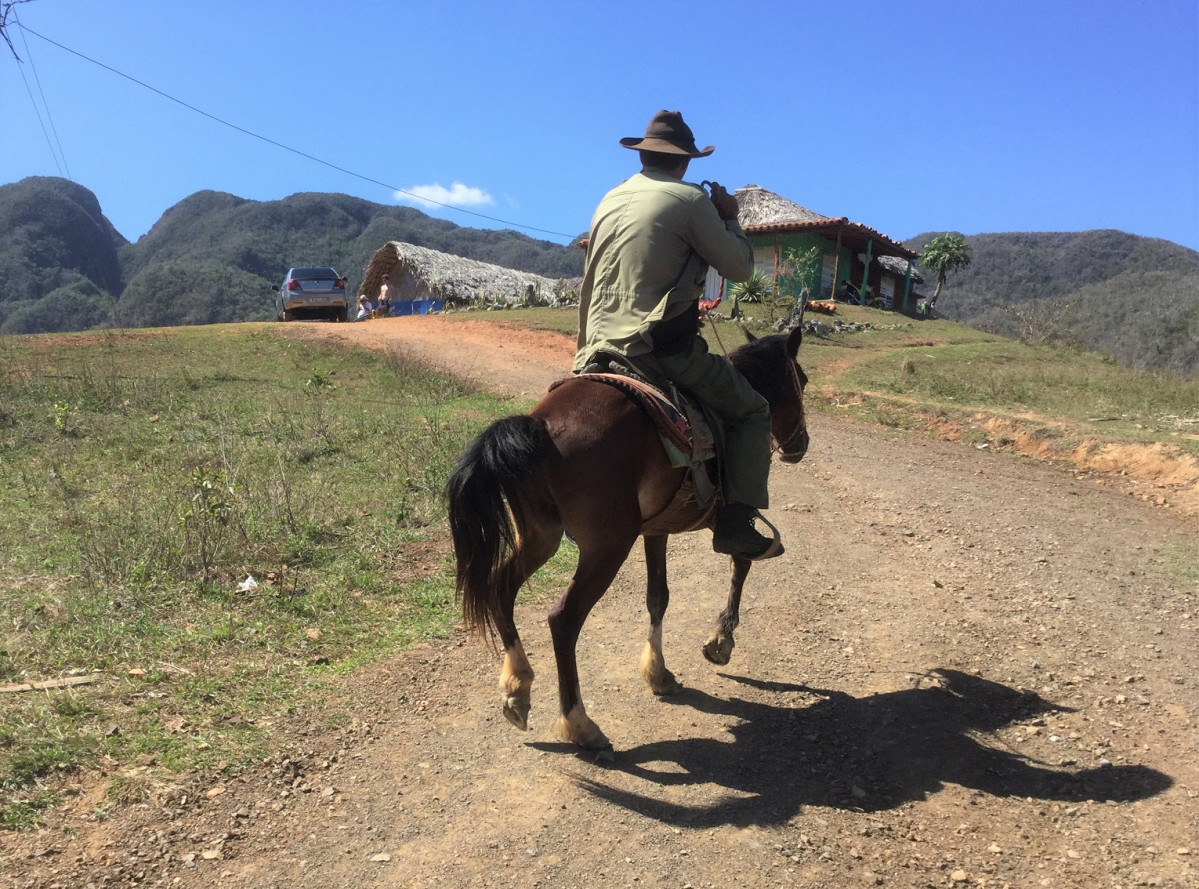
(516, 675)
(657, 597)
(598, 564)
(719, 647)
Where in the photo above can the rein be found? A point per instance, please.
(793, 373)
(800, 422)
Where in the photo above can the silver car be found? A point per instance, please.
(311, 292)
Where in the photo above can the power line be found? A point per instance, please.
(45, 104)
(41, 123)
(296, 151)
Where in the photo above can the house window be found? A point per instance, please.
(886, 288)
(827, 270)
(713, 286)
(764, 262)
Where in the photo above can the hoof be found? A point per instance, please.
(516, 711)
(666, 685)
(604, 755)
(577, 729)
(719, 649)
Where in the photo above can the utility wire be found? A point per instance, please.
(296, 151)
(41, 123)
(45, 104)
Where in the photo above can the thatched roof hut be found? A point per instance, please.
(763, 212)
(418, 273)
(899, 267)
(759, 208)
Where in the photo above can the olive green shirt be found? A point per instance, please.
(652, 240)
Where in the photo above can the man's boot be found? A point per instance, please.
(736, 535)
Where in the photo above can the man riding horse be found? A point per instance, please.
(652, 239)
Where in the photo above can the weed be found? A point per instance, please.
(208, 518)
(127, 789)
(62, 413)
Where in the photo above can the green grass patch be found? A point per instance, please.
(902, 370)
(560, 320)
(1182, 563)
(145, 476)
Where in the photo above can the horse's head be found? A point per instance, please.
(770, 366)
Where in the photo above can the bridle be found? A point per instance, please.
(787, 447)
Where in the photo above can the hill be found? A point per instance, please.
(1133, 298)
(59, 261)
(212, 257)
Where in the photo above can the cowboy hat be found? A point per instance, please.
(667, 134)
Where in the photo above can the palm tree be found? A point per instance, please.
(944, 254)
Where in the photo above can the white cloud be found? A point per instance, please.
(457, 195)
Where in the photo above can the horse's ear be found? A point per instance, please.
(794, 339)
(749, 337)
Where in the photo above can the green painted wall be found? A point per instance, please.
(800, 241)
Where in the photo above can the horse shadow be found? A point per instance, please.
(863, 754)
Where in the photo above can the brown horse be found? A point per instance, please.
(588, 461)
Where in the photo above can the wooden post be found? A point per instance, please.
(775, 289)
(866, 271)
(907, 286)
(837, 264)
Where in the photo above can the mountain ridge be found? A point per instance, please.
(213, 256)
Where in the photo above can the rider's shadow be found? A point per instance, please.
(865, 754)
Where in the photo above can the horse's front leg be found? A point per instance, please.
(657, 596)
(719, 647)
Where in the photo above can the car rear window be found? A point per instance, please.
(313, 274)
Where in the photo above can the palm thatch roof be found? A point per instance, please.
(763, 212)
(421, 273)
(898, 266)
(759, 208)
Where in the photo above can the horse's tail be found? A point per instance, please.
(490, 496)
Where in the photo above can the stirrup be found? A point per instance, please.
(773, 548)
(776, 540)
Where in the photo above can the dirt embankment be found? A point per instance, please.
(969, 669)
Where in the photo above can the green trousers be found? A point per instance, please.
(745, 413)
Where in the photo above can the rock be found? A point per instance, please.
(380, 856)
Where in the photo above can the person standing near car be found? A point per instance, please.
(651, 241)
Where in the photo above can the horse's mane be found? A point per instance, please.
(763, 362)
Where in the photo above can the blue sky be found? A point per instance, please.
(906, 115)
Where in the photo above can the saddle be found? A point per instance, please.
(688, 435)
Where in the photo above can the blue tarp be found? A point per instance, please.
(417, 306)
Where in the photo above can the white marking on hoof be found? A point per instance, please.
(516, 684)
(577, 728)
(653, 666)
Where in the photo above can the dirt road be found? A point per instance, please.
(969, 669)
